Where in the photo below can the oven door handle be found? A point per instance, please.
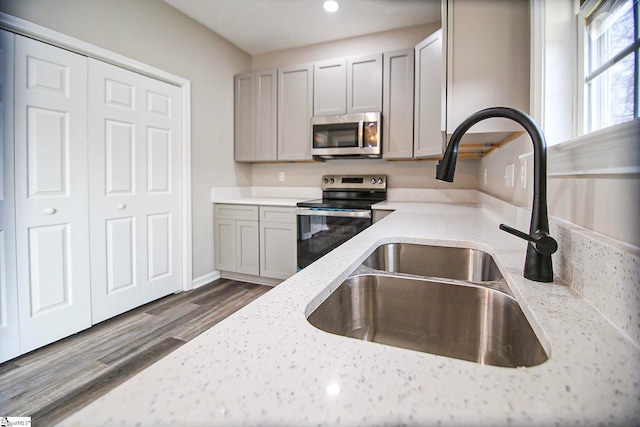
(342, 213)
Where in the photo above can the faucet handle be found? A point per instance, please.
(541, 241)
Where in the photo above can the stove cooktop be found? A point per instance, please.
(350, 192)
(338, 204)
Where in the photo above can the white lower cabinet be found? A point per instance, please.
(236, 238)
(255, 240)
(277, 242)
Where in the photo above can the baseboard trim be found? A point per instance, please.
(250, 278)
(205, 280)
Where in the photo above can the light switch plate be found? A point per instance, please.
(281, 176)
(509, 172)
(523, 174)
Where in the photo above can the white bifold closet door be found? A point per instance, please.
(52, 214)
(9, 326)
(135, 189)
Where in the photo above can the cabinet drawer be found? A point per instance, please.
(231, 211)
(278, 214)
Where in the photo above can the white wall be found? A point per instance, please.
(606, 204)
(401, 174)
(154, 33)
(364, 45)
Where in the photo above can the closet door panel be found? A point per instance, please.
(9, 327)
(162, 190)
(134, 151)
(52, 232)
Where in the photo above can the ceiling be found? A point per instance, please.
(260, 26)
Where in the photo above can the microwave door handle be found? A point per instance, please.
(361, 133)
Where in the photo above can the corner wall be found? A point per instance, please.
(606, 204)
(156, 34)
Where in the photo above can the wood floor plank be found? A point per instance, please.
(191, 330)
(72, 351)
(51, 383)
(142, 341)
(40, 391)
(172, 301)
(87, 393)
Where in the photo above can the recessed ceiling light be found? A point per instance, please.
(331, 6)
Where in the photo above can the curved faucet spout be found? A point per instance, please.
(538, 264)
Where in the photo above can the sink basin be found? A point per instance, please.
(465, 322)
(435, 261)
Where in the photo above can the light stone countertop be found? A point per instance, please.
(266, 365)
(263, 201)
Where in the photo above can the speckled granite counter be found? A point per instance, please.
(266, 365)
(264, 201)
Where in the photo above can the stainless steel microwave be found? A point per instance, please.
(348, 135)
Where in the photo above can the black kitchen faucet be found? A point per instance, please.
(538, 265)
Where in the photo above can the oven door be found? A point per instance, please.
(320, 230)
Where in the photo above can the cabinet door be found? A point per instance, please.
(364, 84)
(244, 129)
(9, 326)
(135, 189)
(487, 71)
(295, 108)
(266, 115)
(52, 220)
(397, 111)
(225, 244)
(277, 250)
(330, 87)
(428, 139)
(247, 249)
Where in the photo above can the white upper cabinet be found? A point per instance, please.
(256, 116)
(364, 84)
(244, 124)
(330, 87)
(348, 85)
(488, 60)
(295, 108)
(266, 115)
(397, 111)
(428, 137)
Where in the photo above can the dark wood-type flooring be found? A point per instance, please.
(55, 381)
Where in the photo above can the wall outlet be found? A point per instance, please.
(523, 174)
(281, 176)
(509, 172)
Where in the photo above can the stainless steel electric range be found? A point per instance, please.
(344, 211)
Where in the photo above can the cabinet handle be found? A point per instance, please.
(50, 211)
(121, 206)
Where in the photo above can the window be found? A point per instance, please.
(611, 51)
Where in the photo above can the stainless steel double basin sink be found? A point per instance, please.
(446, 301)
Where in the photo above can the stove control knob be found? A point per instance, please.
(380, 181)
(326, 180)
(332, 180)
(373, 180)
